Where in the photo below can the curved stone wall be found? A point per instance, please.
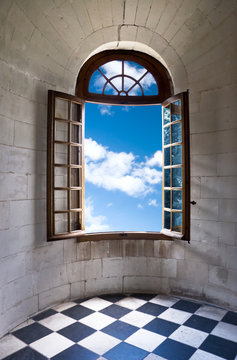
(43, 46)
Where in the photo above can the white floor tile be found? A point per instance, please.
(154, 357)
(131, 303)
(96, 304)
(99, 342)
(64, 306)
(211, 312)
(145, 340)
(137, 318)
(164, 300)
(97, 320)
(174, 315)
(189, 336)
(51, 345)
(10, 344)
(57, 321)
(226, 331)
(203, 355)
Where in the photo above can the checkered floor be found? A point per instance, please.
(119, 327)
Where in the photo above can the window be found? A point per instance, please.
(118, 77)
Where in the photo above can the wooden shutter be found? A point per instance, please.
(65, 166)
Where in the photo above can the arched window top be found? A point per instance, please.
(123, 77)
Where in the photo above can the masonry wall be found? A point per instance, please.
(43, 47)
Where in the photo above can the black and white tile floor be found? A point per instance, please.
(119, 327)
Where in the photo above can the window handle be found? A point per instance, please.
(193, 202)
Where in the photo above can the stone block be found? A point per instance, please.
(203, 165)
(218, 275)
(206, 253)
(135, 266)
(117, 11)
(5, 213)
(169, 13)
(50, 277)
(130, 11)
(138, 248)
(70, 250)
(84, 251)
(231, 260)
(162, 249)
(226, 164)
(45, 257)
(219, 187)
(105, 9)
(84, 270)
(13, 186)
(156, 10)
(78, 290)
(27, 212)
(21, 161)
(106, 248)
(168, 268)
(54, 296)
(205, 231)
(25, 135)
(7, 131)
(113, 267)
(159, 44)
(192, 272)
(98, 286)
(227, 210)
(219, 295)
(226, 233)
(153, 267)
(205, 209)
(128, 33)
(146, 284)
(93, 12)
(177, 250)
(186, 288)
(17, 291)
(144, 35)
(195, 187)
(36, 186)
(12, 268)
(143, 9)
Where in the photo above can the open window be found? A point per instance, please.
(119, 78)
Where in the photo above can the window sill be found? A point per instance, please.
(131, 235)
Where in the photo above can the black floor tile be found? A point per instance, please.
(186, 305)
(146, 297)
(162, 327)
(44, 315)
(230, 318)
(120, 330)
(112, 298)
(115, 311)
(26, 354)
(174, 350)
(76, 331)
(125, 351)
(77, 312)
(220, 347)
(76, 352)
(201, 323)
(152, 309)
(32, 333)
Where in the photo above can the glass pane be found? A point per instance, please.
(109, 90)
(176, 110)
(167, 220)
(75, 112)
(149, 85)
(61, 223)
(167, 177)
(176, 133)
(117, 82)
(76, 221)
(177, 177)
(112, 68)
(75, 199)
(133, 69)
(177, 199)
(76, 134)
(166, 115)
(61, 131)
(167, 199)
(128, 83)
(136, 91)
(177, 221)
(60, 154)
(76, 155)
(60, 200)
(60, 179)
(167, 135)
(61, 109)
(97, 82)
(76, 178)
(167, 156)
(177, 155)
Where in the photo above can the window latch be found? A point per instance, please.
(193, 202)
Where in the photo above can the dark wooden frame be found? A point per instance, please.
(159, 72)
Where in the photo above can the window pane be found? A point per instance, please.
(177, 155)
(75, 221)
(176, 133)
(75, 112)
(176, 111)
(128, 83)
(76, 135)
(136, 91)
(61, 109)
(75, 199)
(167, 220)
(61, 131)
(109, 90)
(76, 155)
(177, 199)
(166, 115)
(133, 69)
(60, 200)
(76, 177)
(117, 82)
(61, 223)
(167, 177)
(60, 179)
(149, 85)
(177, 221)
(167, 199)
(177, 177)
(167, 156)
(97, 82)
(60, 154)
(167, 135)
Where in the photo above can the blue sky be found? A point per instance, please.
(123, 154)
(123, 168)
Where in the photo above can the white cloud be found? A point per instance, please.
(109, 204)
(94, 223)
(140, 206)
(152, 202)
(118, 171)
(105, 110)
(156, 160)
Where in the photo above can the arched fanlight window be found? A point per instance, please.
(124, 77)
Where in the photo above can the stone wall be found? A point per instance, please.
(43, 46)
